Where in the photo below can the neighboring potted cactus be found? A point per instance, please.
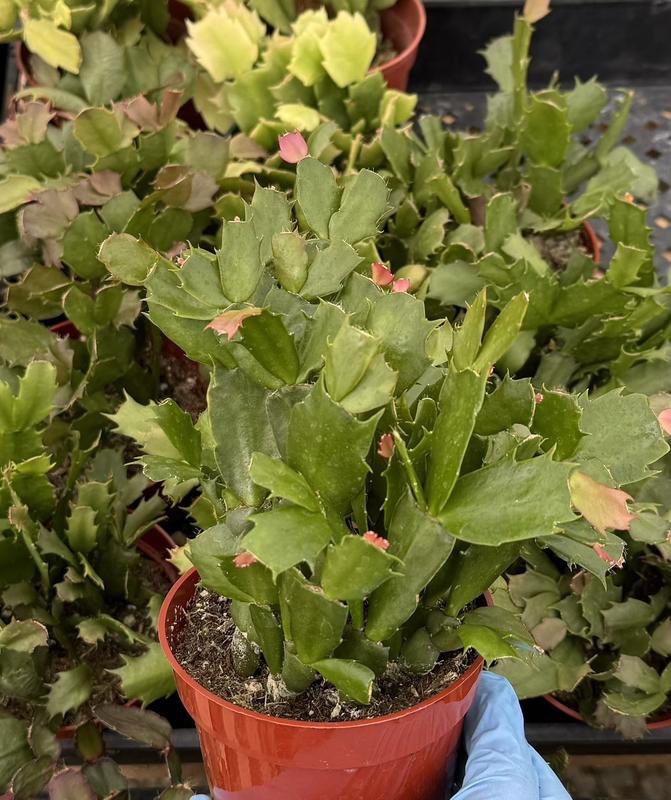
(605, 638)
(363, 476)
(82, 572)
(269, 85)
(399, 25)
(70, 183)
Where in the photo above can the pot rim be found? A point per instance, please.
(168, 602)
(416, 38)
(575, 714)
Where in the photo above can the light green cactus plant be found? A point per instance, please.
(70, 575)
(316, 74)
(357, 462)
(78, 38)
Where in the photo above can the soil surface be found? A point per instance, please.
(558, 248)
(203, 646)
(181, 380)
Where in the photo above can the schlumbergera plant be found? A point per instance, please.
(68, 185)
(35, 763)
(505, 208)
(77, 608)
(363, 474)
(604, 639)
(268, 85)
(90, 42)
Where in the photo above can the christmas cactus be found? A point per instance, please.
(72, 181)
(604, 638)
(70, 576)
(505, 209)
(98, 52)
(36, 764)
(364, 474)
(315, 75)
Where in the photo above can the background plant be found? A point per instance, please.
(35, 763)
(273, 84)
(68, 565)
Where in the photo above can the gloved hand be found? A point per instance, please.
(501, 764)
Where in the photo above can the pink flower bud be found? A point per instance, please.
(381, 275)
(230, 322)
(245, 559)
(401, 285)
(293, 147)
(385, 447)
(378, 541)
(538, 397)
(665, 421)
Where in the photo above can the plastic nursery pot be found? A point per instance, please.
(409, 755)
(155, 545)
(403, 25)
(665, 722)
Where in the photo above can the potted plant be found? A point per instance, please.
(350, 470)
(398, 24)
(603, 638)
(148, 174)
(82, 576)
(270, 85)
(97, 54)
(36, 763)
(509, 212)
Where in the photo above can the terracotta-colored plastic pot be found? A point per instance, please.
(155, 545)
(574, 714)
(409, 755)
(403, 25)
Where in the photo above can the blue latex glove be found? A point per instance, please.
(501, 764)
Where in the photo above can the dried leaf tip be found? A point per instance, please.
(380, 274)
(601, 506)
(230, 322)
(665, 421)
(535, 10)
